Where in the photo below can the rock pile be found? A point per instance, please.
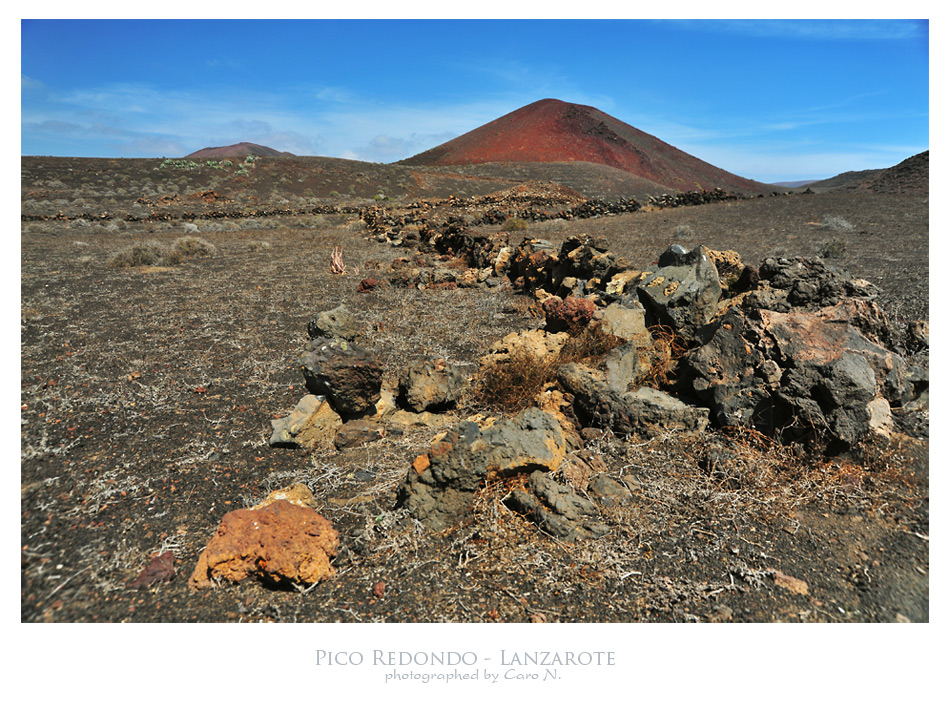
(793, 348)
(669, 201)
(349, 404)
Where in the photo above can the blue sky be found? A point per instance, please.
(770, 99)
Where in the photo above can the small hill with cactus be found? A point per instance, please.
(238, 150)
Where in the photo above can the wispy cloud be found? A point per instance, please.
(813, 30)
(30, 84)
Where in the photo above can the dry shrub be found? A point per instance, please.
(588, 346)
(193, 246)
(515, 224)
(146, 253)
(741, 473)
(668, 348)
(512, 385)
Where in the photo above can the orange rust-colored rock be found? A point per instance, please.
(421, 463)
(281, 542)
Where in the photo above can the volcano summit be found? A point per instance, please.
(553, 131)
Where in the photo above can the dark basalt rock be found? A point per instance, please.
(350, 377)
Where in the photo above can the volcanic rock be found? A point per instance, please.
(440, 488)
(355, 433)
(682, 293)
(557, 509)
(625, 320)
(160, 569)
(803, 373)
(349, 377)
(337, 323)
(277, 544)
(430, 386)
(643, 411)
(529, 344)
(568, 315)
(298, 494)
(311, 425)
(607, 491)
(580, 467)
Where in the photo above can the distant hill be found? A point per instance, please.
(913, 174)
(846, 180)
(553, 131)
(238, 150)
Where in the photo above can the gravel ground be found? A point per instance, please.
(146, 396)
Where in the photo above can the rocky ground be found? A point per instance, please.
(147, 395)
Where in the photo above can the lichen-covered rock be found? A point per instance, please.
(431, 385)
(336, 323)
(350, 377)
(441, 484)
(298, 494)
(682, 293)
(532, 343)
(277, 544)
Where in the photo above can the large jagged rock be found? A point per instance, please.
(277, 544)
(431, 385)
(809, 282)
(801, 373)
(349, 377)
(643, 411)
(683, 291)
(440, 487)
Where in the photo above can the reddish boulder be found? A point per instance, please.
(568, 315)
(279, 543)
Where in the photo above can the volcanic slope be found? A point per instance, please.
(239, 150)
(553, 131)
(910, 175)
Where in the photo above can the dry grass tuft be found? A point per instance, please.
(147, 253)
(512, 385)
(668, 348)
(194, 246)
